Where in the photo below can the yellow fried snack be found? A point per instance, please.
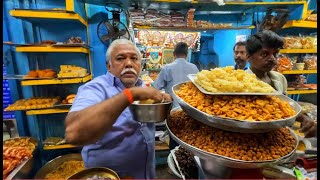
(248, 108)
(241, 146)
(148, 101)
(229, 80)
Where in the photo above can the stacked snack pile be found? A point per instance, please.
(69, 99)
(247, 108)
(46, 73)
(296, 42)
(229, 80)
(154, 18)
(190, 17)
(284, 63)
(238, 146)
(312, 17)
(14, 152)
(32, 103)
(71, 71)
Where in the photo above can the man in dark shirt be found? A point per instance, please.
(240, 55)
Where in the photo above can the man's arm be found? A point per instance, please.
(90, 124)
(160, 83)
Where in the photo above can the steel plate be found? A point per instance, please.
(233, 125)
(89, 173)
(192, 77)
(210, 159)
(32, 140)
(55, 163)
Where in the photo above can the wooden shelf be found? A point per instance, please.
(302, 92)
(46, 111)
(188, 29)
(53, 49)
(300, 24)
(300, 72)
(297, 51)
(46, 16)
(63, 146)
(56, 81)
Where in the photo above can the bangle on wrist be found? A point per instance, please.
(128, 93)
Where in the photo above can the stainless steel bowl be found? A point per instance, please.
(55, 163)
(150, 113)
(91, 172)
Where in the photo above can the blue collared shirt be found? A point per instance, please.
(128, 148)
(174, 73)
(245, 67)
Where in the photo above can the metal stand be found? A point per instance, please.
(211, 171)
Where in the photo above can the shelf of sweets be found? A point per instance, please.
(63, 146)
(302, 91)
(47, 15)
(71, 80)
(190, 29)
(47, 111)
(300, 24)
(300, 72)
(297, 51)
(51, 49)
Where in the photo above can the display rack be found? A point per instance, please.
(300, 72)
(46, 111)
(48, 49)
(302, 91)
(49, 16)
(43, 16)
(56, 81)
(300, 24)
(189, 29)
(63, 146)
(297, 51)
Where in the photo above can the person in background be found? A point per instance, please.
(240, 55)
(262, 51)
(175, 72)
(101, 120)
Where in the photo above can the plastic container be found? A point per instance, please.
(300, 66)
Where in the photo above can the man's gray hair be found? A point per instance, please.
(119, 42)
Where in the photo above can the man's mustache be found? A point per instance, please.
(131, 70)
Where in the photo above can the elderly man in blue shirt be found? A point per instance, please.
(101, 120)
(175, 72)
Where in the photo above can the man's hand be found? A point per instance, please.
(142, 93)
(308, 126)
(167, 97)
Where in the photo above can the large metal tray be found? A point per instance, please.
(233, 125)
(23, 170)
(209, 159)
(192, 77)
(89, 173)
(55, 163)
(32, 140)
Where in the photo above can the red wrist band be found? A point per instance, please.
(127, 92)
